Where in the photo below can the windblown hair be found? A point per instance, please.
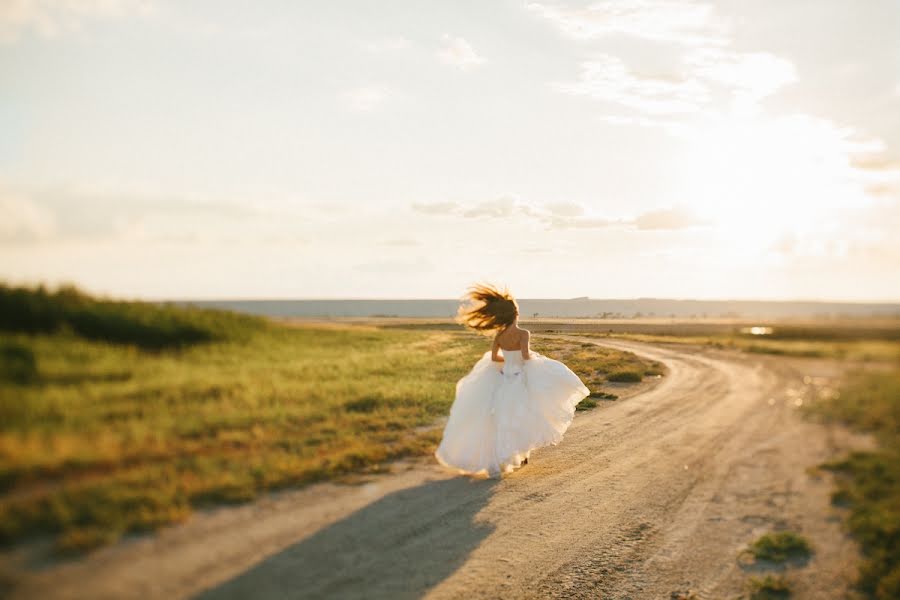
(486, 308)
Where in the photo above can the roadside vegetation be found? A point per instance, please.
(121, 417)
(869, 482)
(866, 350)
(775, 550)
(770, 587)
(781, 547)
(598, 366)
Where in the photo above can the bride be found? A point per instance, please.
(512, 401)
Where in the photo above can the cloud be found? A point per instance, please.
(458, 53)
(62, 214)
(561, 215)
(565, 209)
(21, 220)
(884, 189)
(581, 222)
(499, 208)
(705, 77)
(504, 207)
(366, 98)
(748, 76)
(54, 17)
(607, 78)
(701, 73)
(673, 21)
(875, 162)
(667, 218)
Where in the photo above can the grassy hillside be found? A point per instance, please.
(147, 326)
(121, 417)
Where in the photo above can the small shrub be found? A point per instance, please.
(587, 404)
(770, 587)
(781, 546)
(624, 377)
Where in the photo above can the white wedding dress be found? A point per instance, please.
(504, 410)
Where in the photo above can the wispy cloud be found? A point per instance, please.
(674, 21)
(668, 218)
(706, 73)
(459, 53)
(65, 214)
(607, 78)
(875, 162)
(22, 220)
(748, 76)
(565, 209)
(366, 98)
(505, 207)
(706, 77)
(52, 18)
(561, 215)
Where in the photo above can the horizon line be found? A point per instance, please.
(575, 299)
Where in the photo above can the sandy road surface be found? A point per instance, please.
(645, 497)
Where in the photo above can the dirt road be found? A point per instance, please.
(645, 497)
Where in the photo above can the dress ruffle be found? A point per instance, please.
(504, 410)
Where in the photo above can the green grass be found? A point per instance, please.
(597, 365)
(780, 547)
(100, 438)
(770, 587)
(869, 482)
(108, 439)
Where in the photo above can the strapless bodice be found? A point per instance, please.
(512, 364)
(512, 356)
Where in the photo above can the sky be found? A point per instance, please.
(406, 149)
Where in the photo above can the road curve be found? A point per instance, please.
(644, 498)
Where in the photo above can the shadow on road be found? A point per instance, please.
(398, 547)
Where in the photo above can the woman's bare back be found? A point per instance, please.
(511, 338)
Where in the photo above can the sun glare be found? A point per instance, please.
(758, 179)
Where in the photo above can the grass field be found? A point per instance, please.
(869, 482)
(121, 417)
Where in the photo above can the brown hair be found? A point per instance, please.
(486, 308)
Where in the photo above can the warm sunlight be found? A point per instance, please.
(762, 180)
(427, 299)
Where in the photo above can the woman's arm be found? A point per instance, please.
(526, 347)
(495, 349)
